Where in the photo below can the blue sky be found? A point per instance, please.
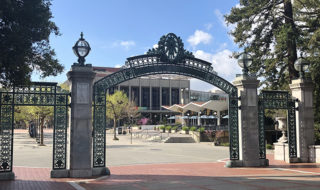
(117, 29)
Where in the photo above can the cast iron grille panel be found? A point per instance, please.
(37, 94)
(277, 100)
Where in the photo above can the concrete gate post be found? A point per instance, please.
(248, 123)
(302, 89)
(81, 78)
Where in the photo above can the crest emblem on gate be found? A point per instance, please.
(170, 49)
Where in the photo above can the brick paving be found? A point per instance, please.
(208, 176)
(184, 176)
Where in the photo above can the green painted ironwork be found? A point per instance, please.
(168, 58)
(277, 100)
(37, 94)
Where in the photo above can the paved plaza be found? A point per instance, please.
(145, 165)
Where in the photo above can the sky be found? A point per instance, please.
(117, 29)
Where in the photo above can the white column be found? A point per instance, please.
(218, 118)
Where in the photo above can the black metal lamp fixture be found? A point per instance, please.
(301, 65)
(245, 61)
(81, 49)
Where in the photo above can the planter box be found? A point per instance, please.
(185, 132)
(168, 131)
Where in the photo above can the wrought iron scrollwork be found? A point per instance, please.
(37, 94)
(277, 100)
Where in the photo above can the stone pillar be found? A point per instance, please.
(248, 123)
(302, 90)
(198, 119)
(81, 79)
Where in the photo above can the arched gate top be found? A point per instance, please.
(169, 57)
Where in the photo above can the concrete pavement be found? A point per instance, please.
(155, 166)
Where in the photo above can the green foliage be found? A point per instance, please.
(193, 128)
(174, 128)
(185, 128)
(201, 129)
(25, 27)
(162, 127)
(225, 144)
(168, 128)
(117, 104)
(273, 32)
(269, 146)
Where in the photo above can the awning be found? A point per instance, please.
(204, 117)
(185, 117)
(172, 117)
(194, 117)
(212, 117)
(226, 117)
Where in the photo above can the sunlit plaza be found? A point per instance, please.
(159, 94)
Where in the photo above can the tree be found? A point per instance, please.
(132, 112)
(25, 27)
(29, 113)
(275, 32)
(116, 108)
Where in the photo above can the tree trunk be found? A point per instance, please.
(291, 39)
(114, 129)
(41, 131)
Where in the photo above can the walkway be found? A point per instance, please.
(184, 176)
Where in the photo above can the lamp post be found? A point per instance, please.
(301, 65)
(131, 128)
(81, 49)
(245, 61)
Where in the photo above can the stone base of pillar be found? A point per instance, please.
(7, 176)
(241, 163)
(59, 173)
(80, 173)
(281, 152)
(100, 171)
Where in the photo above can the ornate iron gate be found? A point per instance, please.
(37, 94)
(169, 58)
(277, 100)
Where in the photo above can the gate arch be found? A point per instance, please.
(169, 58)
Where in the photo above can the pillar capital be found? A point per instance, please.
(304, 84)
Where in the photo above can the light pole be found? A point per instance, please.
(131, 128)
(245, 61)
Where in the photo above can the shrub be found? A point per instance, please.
(269, 146)
(225, 144)
(168, 128)
(174, 128)
(185, 128)
(193, 128)
(162, 127)
(201, 129)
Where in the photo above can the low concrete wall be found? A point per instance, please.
(314, 153)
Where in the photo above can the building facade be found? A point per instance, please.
(152, 94)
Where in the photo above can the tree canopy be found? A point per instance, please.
(25, 27)
(276, 33)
